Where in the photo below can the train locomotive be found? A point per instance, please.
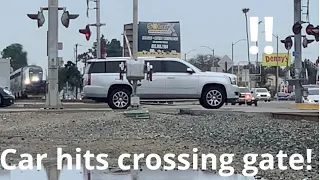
(27, 82)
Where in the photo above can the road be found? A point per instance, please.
(273, 106)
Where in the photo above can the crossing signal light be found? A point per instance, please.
(288, 43)
(314, 31)
(309, 29)
(86, 32)
(306, 41)
(296, 28)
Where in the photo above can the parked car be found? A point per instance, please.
(245, 97)
(173, 78)
(292, 96)
(6, 97)
(313, 96)
(261, 94)
(281, 96)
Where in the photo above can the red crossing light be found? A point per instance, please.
(309, 29)
(86, 32)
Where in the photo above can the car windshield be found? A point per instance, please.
(262, 90)
(244, 90)
(313, 92)
(193, 67)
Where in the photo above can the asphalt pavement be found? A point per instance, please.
(273, 106)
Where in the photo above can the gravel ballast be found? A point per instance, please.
(112, 133)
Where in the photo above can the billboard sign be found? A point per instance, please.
(271, 59)
(160, 39)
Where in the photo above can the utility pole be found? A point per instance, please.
(135, 45)
(277, 68)
(298, 52)
(76, 58)
(53, 98)
(135, 30)
(98, 28)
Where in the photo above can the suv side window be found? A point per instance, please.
(174, 67)
(156, 65)
(97, 67)
(113, 66)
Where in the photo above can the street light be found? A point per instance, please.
(232, 53)
(257, 57)
(185, 54)
(277, 68)
(245, 11)
(212, 54)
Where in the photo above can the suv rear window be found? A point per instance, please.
(97, 67)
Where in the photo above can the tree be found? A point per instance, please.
(71, 75)
(17, 55)
(112, 48)
(203, 62)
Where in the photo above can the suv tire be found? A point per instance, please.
(119, 98)
(206, 97)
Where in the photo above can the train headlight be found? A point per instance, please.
(35, 78)
(27, 81)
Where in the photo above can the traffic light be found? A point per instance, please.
(66, 16)
(306, 41)
(296, 28)
(288, 43)
(86, 32)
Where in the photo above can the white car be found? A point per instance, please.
(313, 96)
(262, 94)
(172, 78)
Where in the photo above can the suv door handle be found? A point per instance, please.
(170, 77)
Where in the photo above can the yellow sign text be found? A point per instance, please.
(272, 60)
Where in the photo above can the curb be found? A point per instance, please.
(307, 106)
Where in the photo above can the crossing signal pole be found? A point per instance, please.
(52, 97)
(98, 24)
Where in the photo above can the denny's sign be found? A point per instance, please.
(273, 60)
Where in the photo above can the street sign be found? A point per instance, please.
(245, 75)
(225, 61)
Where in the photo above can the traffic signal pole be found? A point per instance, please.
(135, 42)
(298, 53)
(98, 28)
(53, 98)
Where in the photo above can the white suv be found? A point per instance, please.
(172, 78)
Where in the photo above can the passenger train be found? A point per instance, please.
(28, 82)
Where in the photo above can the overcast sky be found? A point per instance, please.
(210, 23)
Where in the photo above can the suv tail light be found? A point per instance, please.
(89, 79)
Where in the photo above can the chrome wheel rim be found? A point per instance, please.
(120, 99)
(214, 98)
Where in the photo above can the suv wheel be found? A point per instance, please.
(213, 98)
(119, 99)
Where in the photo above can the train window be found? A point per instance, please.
(97, 67)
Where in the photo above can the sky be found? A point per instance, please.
(211, 23)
